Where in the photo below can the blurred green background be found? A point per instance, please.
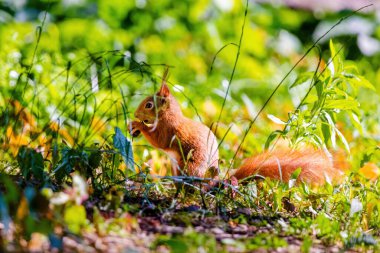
(87, 64)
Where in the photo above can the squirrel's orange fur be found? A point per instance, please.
(193, 148)
(280, 163)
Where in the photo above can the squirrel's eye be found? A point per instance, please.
(149, 105)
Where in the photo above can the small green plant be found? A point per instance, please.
(332, 92)
(190, 241)
(31, 164)
(265, 241)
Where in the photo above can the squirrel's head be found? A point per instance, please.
(153, 107)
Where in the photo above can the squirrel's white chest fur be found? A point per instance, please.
(173, 155)
(174, 159)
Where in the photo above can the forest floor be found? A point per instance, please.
(152, 227)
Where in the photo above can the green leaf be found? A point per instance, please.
(368, 155)
(125, 148)
(75, 218)
(333, 54)
(31, 163)
(311, 98)
(271, 137)
(343, 140)
(359, 81)
(332, 128)
(306, 244)
(343, 104)
(176, 245)
(326, 131)
(335, 59)
(296, 173)
(356, 122)
(293, 177)
(94, 159)
(37, 165)
(72, 159)
(351, 67)
(302, 78)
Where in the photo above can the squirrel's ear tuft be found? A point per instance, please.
(164, 90)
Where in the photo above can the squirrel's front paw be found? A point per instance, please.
(134, 128)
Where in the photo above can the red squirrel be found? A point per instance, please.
(193, 147)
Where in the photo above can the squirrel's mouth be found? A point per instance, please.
(136, 132)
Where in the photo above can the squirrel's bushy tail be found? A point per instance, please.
(316, 166)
